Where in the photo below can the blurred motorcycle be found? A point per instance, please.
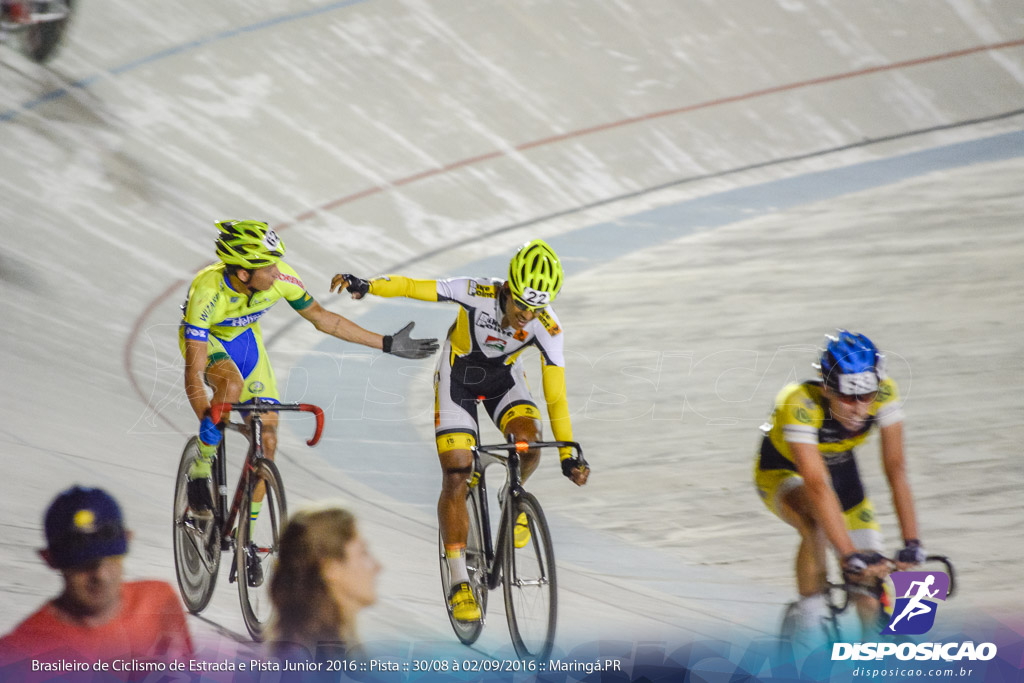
(36, 26)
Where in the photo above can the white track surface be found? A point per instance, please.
(385, 135)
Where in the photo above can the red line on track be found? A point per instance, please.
(378, 189)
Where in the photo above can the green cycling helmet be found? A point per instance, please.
(535, 274)
(249, 244)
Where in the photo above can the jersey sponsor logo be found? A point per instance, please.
(477, 289)
(243, 321)
(487, 322)
(256, 387)
(803, 416)
(549, 324)
(196, 333)
(520, 335)
(290, 278)
(496, 343)
(208, 309)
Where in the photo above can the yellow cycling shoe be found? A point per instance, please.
(463, 604)
(521, 531)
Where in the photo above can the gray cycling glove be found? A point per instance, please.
(402, 345)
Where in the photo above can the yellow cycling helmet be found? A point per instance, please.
(249, 244)
(535, 275)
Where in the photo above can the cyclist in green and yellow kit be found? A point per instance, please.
(221, 340)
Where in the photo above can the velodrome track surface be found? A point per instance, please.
(724, 186)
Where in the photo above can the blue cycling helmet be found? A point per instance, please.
(851, 364)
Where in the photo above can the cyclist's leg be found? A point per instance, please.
(515, 414)
(455, 432)
(255, 379)
(783, 492)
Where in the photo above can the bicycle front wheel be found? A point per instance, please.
(476, 565)
(259, 542)
(196, 543)
(529, 580)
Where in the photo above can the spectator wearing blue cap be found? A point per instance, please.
(97, 616)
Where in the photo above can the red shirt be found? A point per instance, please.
(150, 625)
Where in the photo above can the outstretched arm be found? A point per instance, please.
(386, 285)
(340, 327)
(399, 344)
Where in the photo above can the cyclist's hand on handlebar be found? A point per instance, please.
(865, 565)
(911, 554)
(402, 345)
(576, 470)
(356, 285)
(208, 432)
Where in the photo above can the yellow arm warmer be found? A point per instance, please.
(553, 378)
(396, 285)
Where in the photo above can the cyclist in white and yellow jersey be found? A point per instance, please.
(221, 341)
(480, 362)
(806, 473)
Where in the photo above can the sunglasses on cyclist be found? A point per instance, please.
(858, 398)
(523, 306)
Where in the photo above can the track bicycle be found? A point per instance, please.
(37, 25)
(837, 598)
(527, 574)
(198, 543)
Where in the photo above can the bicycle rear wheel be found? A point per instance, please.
(258, 546)
(196, 543)
(476, 565)
(529, 580)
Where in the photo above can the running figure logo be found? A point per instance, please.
(914, 612)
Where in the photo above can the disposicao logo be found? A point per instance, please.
(914, 613)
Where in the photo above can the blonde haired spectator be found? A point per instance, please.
(325, 575)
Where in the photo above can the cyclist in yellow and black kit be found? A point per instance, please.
(807, 475)
(480, 362)
(221, 340)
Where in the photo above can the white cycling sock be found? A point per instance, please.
(457, 565)
(812, 611)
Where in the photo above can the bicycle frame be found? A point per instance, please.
(506, 455)
(224, 517)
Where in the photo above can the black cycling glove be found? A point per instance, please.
(912, 552)
(571, 463)
(402, 345)
(356, 285)
(856, 563)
